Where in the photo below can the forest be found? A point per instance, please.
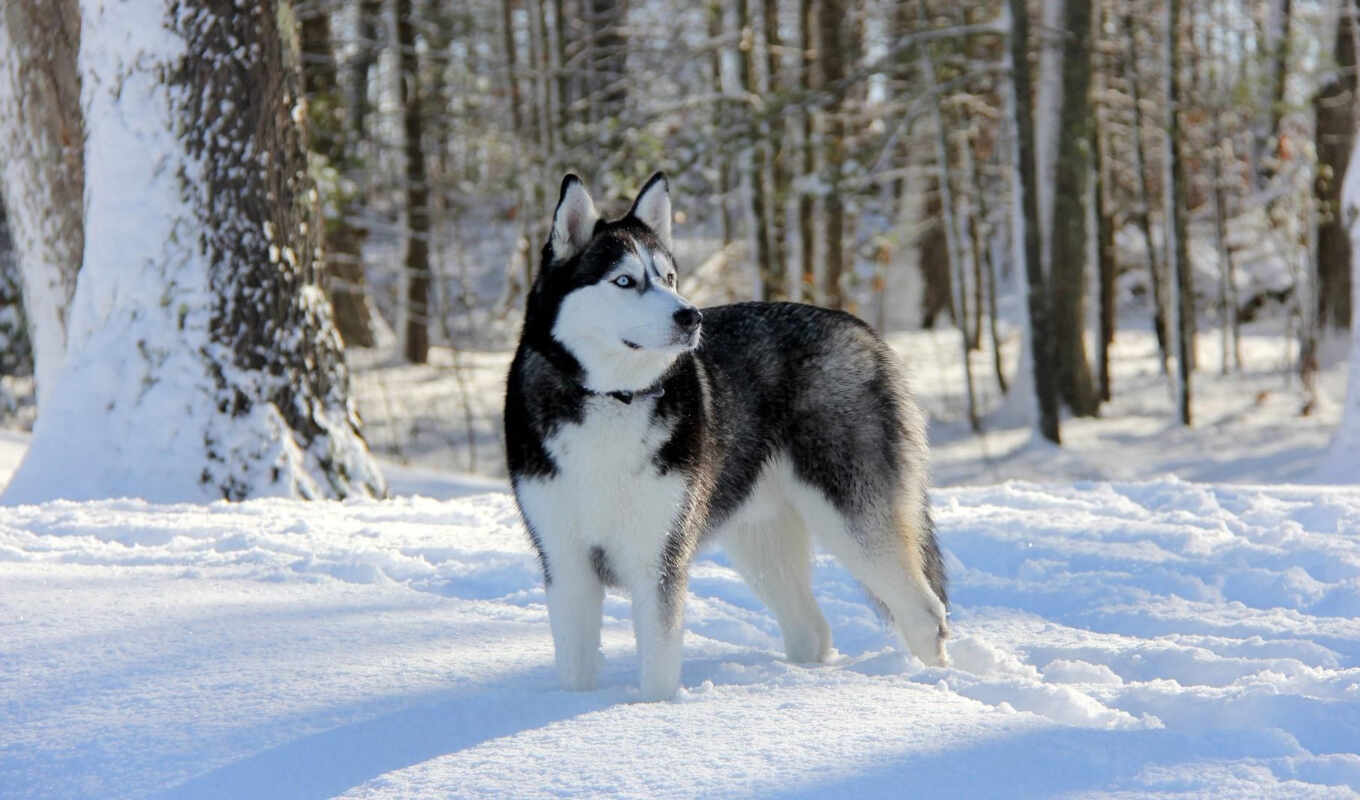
(1041, 175)
(1050, 172)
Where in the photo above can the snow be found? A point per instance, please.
(1154, 638)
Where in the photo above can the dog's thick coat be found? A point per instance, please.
(638, 428)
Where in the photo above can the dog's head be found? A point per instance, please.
(614, 287)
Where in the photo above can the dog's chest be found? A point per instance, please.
(608, 491)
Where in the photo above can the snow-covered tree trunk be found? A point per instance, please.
(41, 173)
(202, 362)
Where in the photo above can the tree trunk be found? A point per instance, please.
(1026, 225)
(1048, 132)
(417, 261)
(369, 32)
(831, 54)
(609, 46)
(951, 229)
(564, 42)
(1267, 128)
(341, 238)
(1142, 214)
(203, 361)
(778, 159)
(16, 352)
(1067, 238)
(808, 79)
(42, 168)
(1105, 259)
(721, 164)
(1341, 465)
(932, 258)
(1177, 244)
(771, 279)
(511, 65)
(1335, 113)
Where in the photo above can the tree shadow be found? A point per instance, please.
(1045, 763)
(330, 763)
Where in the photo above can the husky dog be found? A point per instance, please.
(638, 427)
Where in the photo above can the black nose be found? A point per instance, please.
(688, 319)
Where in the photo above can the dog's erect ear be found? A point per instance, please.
(573, 221)
(653, 207)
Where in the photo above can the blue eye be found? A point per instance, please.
(625, 282)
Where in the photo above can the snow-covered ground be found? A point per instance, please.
(1131, 639)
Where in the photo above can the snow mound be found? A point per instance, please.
(1149, 639)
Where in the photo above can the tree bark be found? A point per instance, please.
(1178, 245)
(721, 164)
(831, 55)
(16, 353)
(609, 45)
(1105, 259)
(1027, 225)
(417, 261)
(203, 360)
(1067, 237)
(42, 168)
(778, 159)
(1334, 108)
(511, 66)
(754, 163)
(808, 79)
(365, 57)
(1340, 465)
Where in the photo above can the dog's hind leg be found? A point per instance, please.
(887, 553)
(575, 607)
(776, 562)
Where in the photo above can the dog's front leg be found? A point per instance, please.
(575, 605)
(659, 626)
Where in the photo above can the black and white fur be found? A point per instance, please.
(638, 428)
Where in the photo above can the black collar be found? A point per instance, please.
(570, 368)
(627, 397)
